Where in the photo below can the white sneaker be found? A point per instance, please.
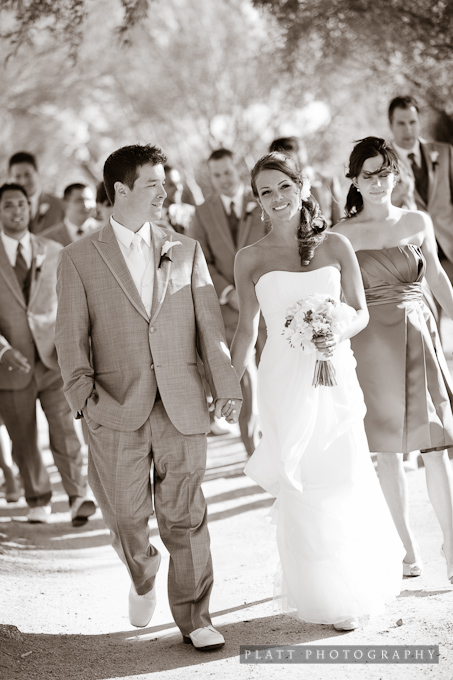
(205, 639)
(141, 607)
(82, 508)
(39, 514)
(346, 625)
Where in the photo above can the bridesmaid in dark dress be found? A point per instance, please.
(400, 364)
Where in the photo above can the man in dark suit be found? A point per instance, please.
(426, 175)
(28, 361)
(227, 221)
(45, 209)
(79, 206)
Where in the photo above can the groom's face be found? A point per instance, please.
(146, 198)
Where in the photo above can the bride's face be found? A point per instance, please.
(278, 195)
(375, 181)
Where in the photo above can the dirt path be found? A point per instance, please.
(63, 596)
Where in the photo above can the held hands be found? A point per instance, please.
(326, 344)
(13, 360)
(228, 408)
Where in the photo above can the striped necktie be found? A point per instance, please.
(23, 272)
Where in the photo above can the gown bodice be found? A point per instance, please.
(392, 274)
(277, 290)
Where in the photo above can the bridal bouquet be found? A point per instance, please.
(315, 317)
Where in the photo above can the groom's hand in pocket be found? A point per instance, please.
(229, 409)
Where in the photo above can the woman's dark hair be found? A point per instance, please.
(370, 147)
(310, 232)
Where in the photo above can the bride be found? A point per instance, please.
(339, 552)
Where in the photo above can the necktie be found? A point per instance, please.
(234, 222)
(420, 176)
(22, 272)
(137, 258)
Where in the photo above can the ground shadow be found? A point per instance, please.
(131, 653)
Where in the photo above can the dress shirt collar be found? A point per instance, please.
(404, 153)
(237, 200)
(73, 229)
(11, 245)
(125, 235)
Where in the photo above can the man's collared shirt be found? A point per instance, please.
(145, 283)
(76, 232)
(11, 245)
(403, 154)
(237, 200)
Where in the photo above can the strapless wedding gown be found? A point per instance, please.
(339, 551)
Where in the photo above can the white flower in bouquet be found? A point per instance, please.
(317, 316)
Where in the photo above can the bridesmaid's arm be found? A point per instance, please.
(436, 277)
(352, 287)
(249, 311)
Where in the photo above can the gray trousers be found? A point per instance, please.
(18, 408)
(119, 466)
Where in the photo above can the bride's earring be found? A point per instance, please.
(263, 215)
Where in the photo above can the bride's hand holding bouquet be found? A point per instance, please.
(315, 324)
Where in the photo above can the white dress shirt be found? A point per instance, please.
(237, 200)
(11, 245)
(86, 228)
(403, 155)
(143, 277)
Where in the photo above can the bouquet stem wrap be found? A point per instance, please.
(324, 374)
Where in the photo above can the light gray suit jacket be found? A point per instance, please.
(24, 326)
(50, 211)
(113, 356)
(439, 163)
(211, 228)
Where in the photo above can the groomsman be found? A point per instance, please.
(28, 361)
(228, 220)
(79, 206)
(45, 209)
(426, 170)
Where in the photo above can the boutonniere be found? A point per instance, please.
(433, 156)
(165, 250)
(250, 207)
(39, 261)
(43, 209)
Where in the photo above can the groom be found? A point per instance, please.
(136, 304)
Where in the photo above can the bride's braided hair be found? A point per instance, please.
(312, 225)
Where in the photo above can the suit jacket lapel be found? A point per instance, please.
(425, 149)
(220, 222)
(162, 274)
(109, 250)
(246, 221)
(38, 251)
(8, 273)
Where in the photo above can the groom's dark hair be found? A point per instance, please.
(122, 165)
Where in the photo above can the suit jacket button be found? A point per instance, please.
(152, 367)
(151, 330)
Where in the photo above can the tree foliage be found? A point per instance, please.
(413, 39)
(25, 18)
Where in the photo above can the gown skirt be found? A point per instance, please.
(340, 554)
